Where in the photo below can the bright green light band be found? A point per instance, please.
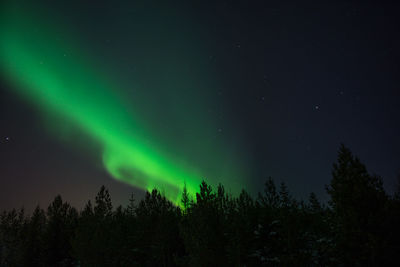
(51, 73)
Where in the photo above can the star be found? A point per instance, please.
(7, 138)
(316, 107)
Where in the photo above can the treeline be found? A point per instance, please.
(359, 226)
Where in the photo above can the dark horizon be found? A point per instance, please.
(139, 196)
(359, 227)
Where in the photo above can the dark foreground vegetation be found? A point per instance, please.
(359, 226)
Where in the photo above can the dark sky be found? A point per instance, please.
(294, 81)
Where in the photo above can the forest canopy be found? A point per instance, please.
(358, 226)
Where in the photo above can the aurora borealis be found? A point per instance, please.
(47, 67)
(141, 94)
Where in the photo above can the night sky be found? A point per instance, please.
(142, 94)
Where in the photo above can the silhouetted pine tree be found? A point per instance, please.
(242, 223)
(157, 232)
(102, 228)
(59, 232)
(84, 234)
(185, 198)
(267, 233)
(34, 243)
(12, 234)
(358, 202)
(319, 238)
(131, 208)
(203, 230)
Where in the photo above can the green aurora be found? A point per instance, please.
(55, 72)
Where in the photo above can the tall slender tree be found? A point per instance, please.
(358, 201)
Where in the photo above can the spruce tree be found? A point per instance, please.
(358, 202)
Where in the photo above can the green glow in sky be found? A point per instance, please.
(52, 72)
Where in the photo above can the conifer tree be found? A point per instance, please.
(358, 201)
(185, 198)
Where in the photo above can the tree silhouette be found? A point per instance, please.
(358, 201)
(185, 198)
(358, 227)
(33, 251)
(61, 223)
